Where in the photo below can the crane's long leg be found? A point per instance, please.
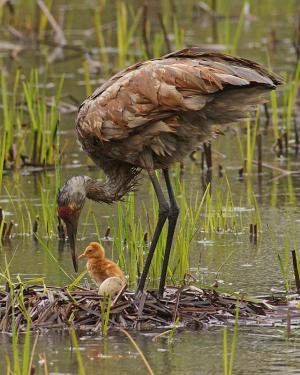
(172, 217)
(162, 217)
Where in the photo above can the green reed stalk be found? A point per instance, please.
(49, 214)
(22, 361)
(128, 238)
(178, 34)
(26, 352)
(2, 157)
(188, 226)
(284, 263)
(8, 110)
(43, 19)
(15, 349)
(87, 78)
(257, 216)
(43, 122)
(119, 234)
(105, 311)
(274, 114)
(101, 38)
(238, 30)
(80, 370)
(234, 339)
(251, 141)
(137, 348)
(76, 281)
(122, 33)
(228, 367)
(225, 352)
(290, 96)
(49, 252)
(158, 44)
(125, 33)
(290, 188)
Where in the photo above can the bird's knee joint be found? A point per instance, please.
(174, 212)
(164, 210)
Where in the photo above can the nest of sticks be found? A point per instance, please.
(57, 308)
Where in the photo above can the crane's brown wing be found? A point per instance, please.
(180, 95)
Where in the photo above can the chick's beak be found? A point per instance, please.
(72, 233)
(81, 256)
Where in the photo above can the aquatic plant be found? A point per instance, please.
(228, 367)
(21, 362)
(30, 129)
(135, 345)
(75, 348)
(105, 310)
(124, 31)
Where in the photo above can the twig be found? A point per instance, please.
(118, 296)
(270, 166)
(55, 26)
(30, 367)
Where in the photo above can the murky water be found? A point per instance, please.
(232, 259)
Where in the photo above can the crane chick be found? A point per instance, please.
(105, 273)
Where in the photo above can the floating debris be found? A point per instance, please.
(57, 308)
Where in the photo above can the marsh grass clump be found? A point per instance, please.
(215, 212)
(37, 217)
(31, 119)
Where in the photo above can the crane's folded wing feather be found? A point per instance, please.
(147, 102)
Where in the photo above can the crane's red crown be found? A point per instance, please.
(65, 212)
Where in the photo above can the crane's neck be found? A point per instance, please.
(117, 184)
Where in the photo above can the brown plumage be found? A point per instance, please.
(154, 113)
(151, 115)
(99, 267)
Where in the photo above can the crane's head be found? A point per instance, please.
(70, 200)
(93, 250)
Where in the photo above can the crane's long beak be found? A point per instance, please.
(72, 233)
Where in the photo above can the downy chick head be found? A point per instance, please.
(93, 250)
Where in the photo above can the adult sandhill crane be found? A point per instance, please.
(149, 116)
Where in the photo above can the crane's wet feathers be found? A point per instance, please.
(166, 107)
(154, 113)
(73, 193)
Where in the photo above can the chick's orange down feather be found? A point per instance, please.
(99, 267)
